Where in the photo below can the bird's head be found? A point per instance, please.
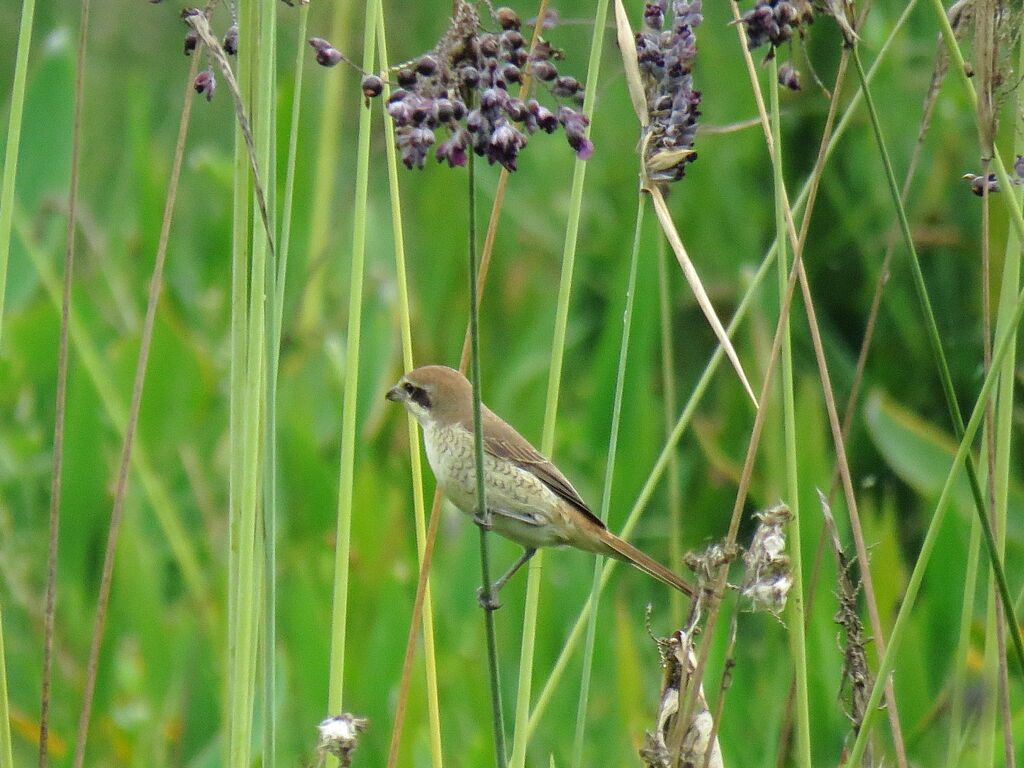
(435, 395)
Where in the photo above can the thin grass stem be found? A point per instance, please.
(606, 493)
(339, 615)
(419, 514)
(653, 478)
(121, 489)
(7, 186)
(668, 383)
(10, 172)
(276, 278)
(940, 357)
(62, 358)
(524, 691)
(838, 436)
(1001, 348)
(6, 748)
(482, 511)
(249, 582)
(796, 601)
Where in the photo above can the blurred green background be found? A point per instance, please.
(161, 687)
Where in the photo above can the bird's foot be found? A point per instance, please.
(484, 521)
(488, 601)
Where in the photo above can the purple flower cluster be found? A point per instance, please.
(665, 57)
(775, 21)
(463, 87)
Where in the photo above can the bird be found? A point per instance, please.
(528, 499)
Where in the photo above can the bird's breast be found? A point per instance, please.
(507, 485)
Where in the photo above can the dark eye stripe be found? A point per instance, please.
(420, 396)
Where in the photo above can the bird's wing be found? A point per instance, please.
(503, 442)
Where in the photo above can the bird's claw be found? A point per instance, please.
(488, 601)
(484, 521)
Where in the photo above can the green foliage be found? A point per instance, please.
(162, 695)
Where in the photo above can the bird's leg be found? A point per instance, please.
(483, 520)
(490, 602)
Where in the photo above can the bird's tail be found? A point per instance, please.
(623, 550)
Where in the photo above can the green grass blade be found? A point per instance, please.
(339, 616)
(14, 121)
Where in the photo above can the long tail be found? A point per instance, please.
(623, 550)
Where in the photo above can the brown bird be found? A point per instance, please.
(530, 500)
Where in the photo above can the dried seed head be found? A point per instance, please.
(507, 18)
(470, 62)
(768, 578)
(230, 44)
(372, 86)
(339, 736)
(326, 54)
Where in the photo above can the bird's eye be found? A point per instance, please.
(409, 388)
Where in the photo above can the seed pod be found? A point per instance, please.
(372, 86)
(507, 18)
(191, 41)
(789, 77)
(230, 44)
(326, 54)
(426, 66)
(406, 78)
(512, 40)
(470, 76)
(205, 83)
(510, 73)
(489, 45)
(566, 86)
(443, 110)
(543, 70)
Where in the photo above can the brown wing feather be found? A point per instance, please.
(503, 442)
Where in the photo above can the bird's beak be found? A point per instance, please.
(395, 394)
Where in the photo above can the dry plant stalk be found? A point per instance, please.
(856, 674)
(698, 747)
